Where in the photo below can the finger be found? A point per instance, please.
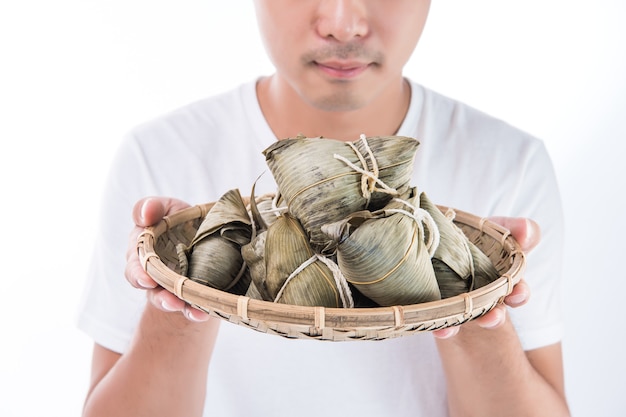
(146, 212)
(519, 295)
(195, 314)
(168, 302)
(165, 300)
(134, 271)
(150, 210)
(493, 319)
(526, 231)
(135, 274)
(446, 333)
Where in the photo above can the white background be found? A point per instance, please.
(75, 75)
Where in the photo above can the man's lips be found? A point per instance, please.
(337, 69)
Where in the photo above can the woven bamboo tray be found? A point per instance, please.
(157, 253)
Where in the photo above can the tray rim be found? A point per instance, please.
(320, 322)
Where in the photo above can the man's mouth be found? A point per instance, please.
(342, 69)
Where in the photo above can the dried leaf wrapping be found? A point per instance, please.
(213, 257)
(349, 220)
(294, 274)
(324, 180)
(253, 254)
(385, 254)
(452, 261)
(484, 270)
(459, 265)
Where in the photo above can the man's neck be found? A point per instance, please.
(289, 115)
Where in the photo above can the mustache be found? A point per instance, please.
(356, 51)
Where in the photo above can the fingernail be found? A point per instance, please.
(143, 209)
(167, 306)
(447, 333)
(497, 320)
(530, 231)
(190, 316)
(145, 284)
(516, 299)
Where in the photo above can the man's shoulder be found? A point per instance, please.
(450, 116)
(212, 112)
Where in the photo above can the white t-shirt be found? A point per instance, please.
(466, 160)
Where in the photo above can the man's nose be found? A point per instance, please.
(342, 20)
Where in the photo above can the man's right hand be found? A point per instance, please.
(148, 212)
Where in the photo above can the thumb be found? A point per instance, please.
(148, 211)
(526, 231)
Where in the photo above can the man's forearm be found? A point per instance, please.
(163, 373)
(489, 374)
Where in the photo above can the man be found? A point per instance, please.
(338, 74)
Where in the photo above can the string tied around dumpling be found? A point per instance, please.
(369, 179)
(345, 294)
(422, 218)
(275, 209)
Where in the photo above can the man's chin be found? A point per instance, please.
(342, 101)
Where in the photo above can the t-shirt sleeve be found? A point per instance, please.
(110, 307)
(536, 196)
(477, 163)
